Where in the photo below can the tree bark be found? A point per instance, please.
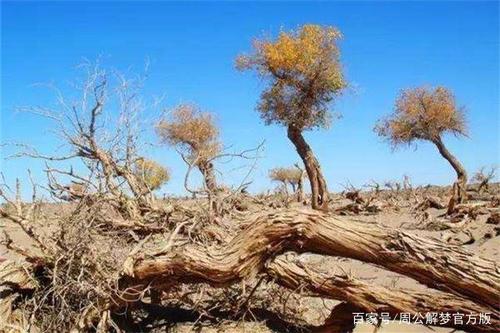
(460, 186)
(300, 191)
(319, 190)
(207, 170)
(434, 263)
(369, 298)
(300, 184)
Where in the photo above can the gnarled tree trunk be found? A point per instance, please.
(460, 186)
(368, 298)
(319, 190)
(434, 263)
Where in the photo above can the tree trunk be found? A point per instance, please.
(319, 190)
(368, 298)
(130, 208)
(300, 184)
(300, 191)
(432, 262)
(285, 188)
(207, 170)
(483, 185)
(460, 186)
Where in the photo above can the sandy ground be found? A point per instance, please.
(484, 245)
(364, 328)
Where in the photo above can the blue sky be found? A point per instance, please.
(192, 45)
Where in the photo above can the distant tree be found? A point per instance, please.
(425, 113)
(151, 173)
(407, 183)
(279, 175)
(393, 185)
(196, 135)
(483, 178)
(287, 176)
(373, 185)
(304, 74)
(300, 173)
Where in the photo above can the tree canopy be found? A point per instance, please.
(304, 72)
(423, 113)
(151, 173)
(286, 175)
(191, 130)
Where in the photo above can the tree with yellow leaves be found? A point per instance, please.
(426, 113)
(151, 174)
(286, 176)
(196, 135)
(304, 74)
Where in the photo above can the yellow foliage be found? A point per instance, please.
(152, 174)
(300, 51)
(191, 130)
(286, 175)
(305, 74)
(423, 113)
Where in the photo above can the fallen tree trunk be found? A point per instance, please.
(361, 297)
(266, 236)
(434, 263)
(369, 298)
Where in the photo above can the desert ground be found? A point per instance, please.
(421, 211)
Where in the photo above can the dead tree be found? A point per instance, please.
(393, 185)
(107, 149)
(467, 275)
(27, 217)
(484, 178)
(407, 183)
(375, 186)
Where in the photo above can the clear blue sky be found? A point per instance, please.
(387, 46)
